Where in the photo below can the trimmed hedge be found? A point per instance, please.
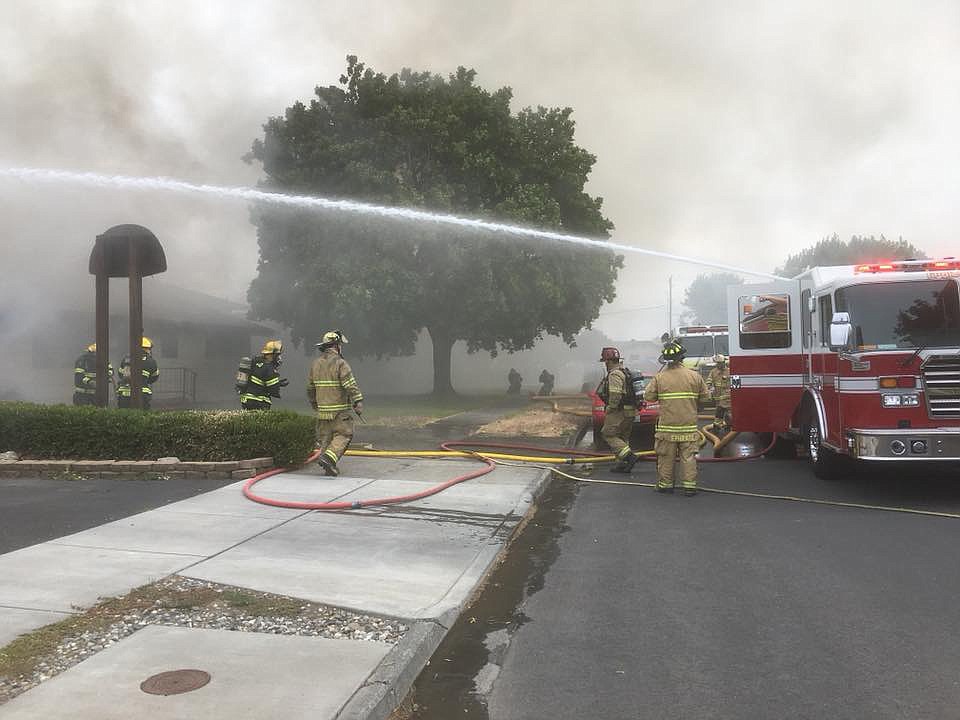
(48, 432)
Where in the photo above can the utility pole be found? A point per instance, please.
(670, 306)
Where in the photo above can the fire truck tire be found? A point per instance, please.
(826, 464)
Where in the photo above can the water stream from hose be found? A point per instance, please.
(161, 184)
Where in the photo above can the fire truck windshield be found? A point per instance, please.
(896, 315)
(698, 345)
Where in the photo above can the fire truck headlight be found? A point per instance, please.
(912, 400)
(891, 400)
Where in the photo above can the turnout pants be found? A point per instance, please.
(668, 450)
(123, 401)
(617, 425)
(722, 417)
(334, 435)
(80, 398)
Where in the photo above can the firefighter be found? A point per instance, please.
(620, 410)
(149, 371)
(333, 391)
(678, 389)
(718, 383)
(85, 377)
(515, 380)
(264, 381)
(546, 383)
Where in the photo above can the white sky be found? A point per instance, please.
(733, 131)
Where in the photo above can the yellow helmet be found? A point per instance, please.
(272, 347)
(92, 347)
(720, 358)
(146, 343)
(331, 337)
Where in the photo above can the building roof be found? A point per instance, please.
(163, 301)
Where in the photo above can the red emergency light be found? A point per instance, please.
(907, 266)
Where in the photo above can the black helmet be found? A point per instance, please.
(673, 352)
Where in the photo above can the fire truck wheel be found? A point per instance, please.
(827, 465)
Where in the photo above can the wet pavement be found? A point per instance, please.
(624, 603)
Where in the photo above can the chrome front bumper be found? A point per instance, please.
(905, 444)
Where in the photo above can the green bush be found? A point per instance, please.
(88, 433)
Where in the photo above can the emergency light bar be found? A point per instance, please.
(908, 266)
(694, 329)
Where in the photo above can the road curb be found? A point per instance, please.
(389, 683)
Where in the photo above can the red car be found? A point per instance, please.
(643, 424)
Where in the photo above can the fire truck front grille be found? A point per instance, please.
(941, 381)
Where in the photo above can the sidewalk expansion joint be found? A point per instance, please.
(241, 542)
(5, 606)
(123, 549)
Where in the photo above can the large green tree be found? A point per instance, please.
(440, 144)
(861, 248)
(706, 298)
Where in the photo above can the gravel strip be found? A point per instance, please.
(300, 618)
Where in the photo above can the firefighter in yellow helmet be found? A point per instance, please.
(679, 390)
(149, 371)
(718, 382)
(264, 381)
(620, 410)
(85, 377)
(333, 392)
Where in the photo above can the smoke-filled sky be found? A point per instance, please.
(738, 132)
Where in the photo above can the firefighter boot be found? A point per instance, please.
(328, 466)
(626, 463)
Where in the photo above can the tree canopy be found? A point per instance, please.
(860, 249)
(706, 298)
(441, 144)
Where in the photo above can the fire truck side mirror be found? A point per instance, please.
(840, 330)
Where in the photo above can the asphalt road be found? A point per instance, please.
(720, 606)
(34, 510)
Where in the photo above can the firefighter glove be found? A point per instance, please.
(283, 382)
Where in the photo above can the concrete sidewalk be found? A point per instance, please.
(419, 562)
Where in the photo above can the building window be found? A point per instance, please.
(765, 321)
(169, 344)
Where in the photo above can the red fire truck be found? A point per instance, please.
(856, 362)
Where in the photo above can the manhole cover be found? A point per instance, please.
(175, 682)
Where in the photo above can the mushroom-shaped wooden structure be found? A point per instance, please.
(123, 251)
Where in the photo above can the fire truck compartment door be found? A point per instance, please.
(766, 354)
(764, 319)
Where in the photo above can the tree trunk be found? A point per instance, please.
(442, 348)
